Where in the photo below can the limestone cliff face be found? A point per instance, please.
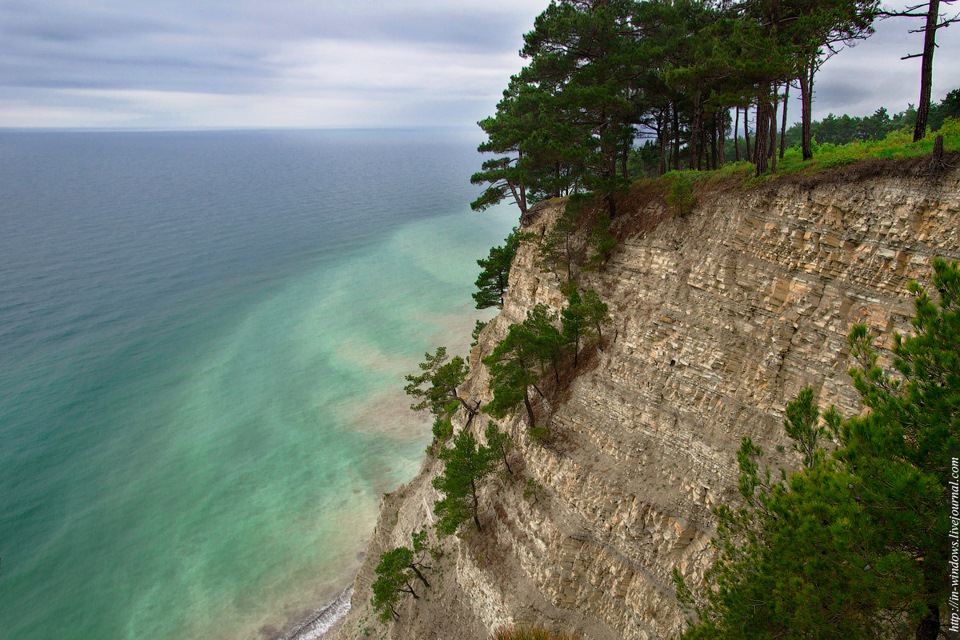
(719, 319)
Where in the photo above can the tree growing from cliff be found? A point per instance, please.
(492, 283)
(546, 341)
(574, 324)
(856, 544)
(518, 362)
(596, 312)
(500, 444)
(559, 250)
(437, 386)
(395, 573)
(465, 466)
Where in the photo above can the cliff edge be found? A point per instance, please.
(719, 318)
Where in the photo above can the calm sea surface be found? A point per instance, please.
(203, 338)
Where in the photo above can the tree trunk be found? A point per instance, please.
(662, 139)
(523, 192)
(761, 131)
(936, 158)
(806, 110)
(676, 139)
(929, 627)
(624, 159)
(783, 121)
(506, 462)
(470, 410)
(722, 131)
(713, 145)
(736, 133)
(695, 126)
(926, 70)
(746, 133)
(476, 504)
(419, 575)
(526, 403)
(772, 152)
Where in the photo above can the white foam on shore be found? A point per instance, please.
(323, 619)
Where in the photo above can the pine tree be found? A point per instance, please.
(596, 312)
(547, 343)
(437, 385)
(574, 324)
(395, 573)
(466, 464)
(513, 370)
(500, 444)
(559, 251)
(492, 283)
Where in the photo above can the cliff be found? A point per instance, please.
(719, 318)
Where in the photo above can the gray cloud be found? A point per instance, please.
(235, 63)
(871, 75)
(143, 62)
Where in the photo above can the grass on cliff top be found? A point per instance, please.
(896, 146)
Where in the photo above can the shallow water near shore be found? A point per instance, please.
(203, 338)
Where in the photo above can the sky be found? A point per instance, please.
(189, 64)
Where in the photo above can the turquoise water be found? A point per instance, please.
(203, 338)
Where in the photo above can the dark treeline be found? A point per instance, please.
(603, 74)
(845, 129)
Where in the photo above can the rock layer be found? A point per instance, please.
(719, 319)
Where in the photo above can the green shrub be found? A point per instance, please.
(540, 435)
(442, 429)
(533, 491)
(602, 242)
(950, 128)
(681, 198)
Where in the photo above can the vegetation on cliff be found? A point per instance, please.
(395, 573)
(493, 281)
(856, 543)
(536, 347)
(606, 75)
(850, 545)
(465, 465)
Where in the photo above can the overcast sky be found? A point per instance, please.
(319, 63)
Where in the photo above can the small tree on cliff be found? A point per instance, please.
(517, 362)
(395, 574)
(575, 324)
(559, 250)
(492, 283)
(437, 385)
(500, 444)
(466, 464)
(596, 312)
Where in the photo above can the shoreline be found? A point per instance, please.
(322, 623)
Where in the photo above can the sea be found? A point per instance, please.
(203, 338)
